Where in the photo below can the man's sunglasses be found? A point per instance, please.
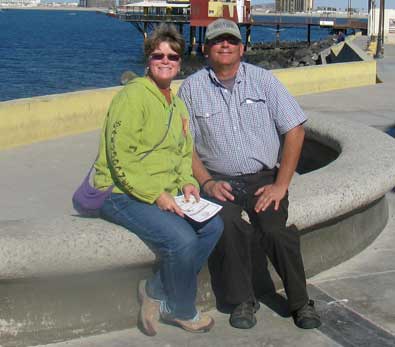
(230, 39)
(160, 56)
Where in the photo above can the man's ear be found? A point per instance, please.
(241, 50)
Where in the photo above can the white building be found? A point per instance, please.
(19, 3)
(389, 24)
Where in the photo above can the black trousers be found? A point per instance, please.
(238, 263)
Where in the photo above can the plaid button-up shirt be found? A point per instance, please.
(239, 132)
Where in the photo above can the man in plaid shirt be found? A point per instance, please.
(238, 115)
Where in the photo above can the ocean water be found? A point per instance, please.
(47, 52)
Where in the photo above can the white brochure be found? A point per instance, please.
(198, 211)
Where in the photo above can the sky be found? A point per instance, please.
(338, 3)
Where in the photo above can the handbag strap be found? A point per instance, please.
(150, 151)
(164, 136)
(90, 171)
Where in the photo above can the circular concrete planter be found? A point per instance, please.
(71, 276)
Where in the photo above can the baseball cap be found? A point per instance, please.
(220, 27)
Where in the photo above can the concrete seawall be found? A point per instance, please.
(25, 121)
(41, 118)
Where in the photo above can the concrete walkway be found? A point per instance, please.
(371, 105)
(356, 299)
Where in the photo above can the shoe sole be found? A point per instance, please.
(146, 325)
(204, 329)
(310, 325)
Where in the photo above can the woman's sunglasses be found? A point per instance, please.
(160, 56)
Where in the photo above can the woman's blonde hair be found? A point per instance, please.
(164, 33)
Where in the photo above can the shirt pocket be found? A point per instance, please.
(208, 119)
(254, 112)
(207, 111)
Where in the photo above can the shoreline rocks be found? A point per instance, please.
(263, 54)
(266, 55)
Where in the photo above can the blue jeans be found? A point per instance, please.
(183, 247)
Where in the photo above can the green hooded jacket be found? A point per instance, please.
(137, 120)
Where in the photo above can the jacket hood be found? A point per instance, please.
(151, 86)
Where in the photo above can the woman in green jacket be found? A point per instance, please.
(146, 154)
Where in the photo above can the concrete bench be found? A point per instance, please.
(72, 276)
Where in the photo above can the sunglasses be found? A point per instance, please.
(160, 56)
(230, 39)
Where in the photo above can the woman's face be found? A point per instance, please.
(164, 64)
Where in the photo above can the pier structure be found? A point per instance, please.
(145, 15)
(279, 23)
(197, 14)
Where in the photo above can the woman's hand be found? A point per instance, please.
(190, 189)
(166, 202)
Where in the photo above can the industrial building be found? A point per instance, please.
(203, 12)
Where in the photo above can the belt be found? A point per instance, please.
(248, 178)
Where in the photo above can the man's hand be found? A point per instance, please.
(216, 189)
(220, 190)
(269, 194)
(275, 192)
(190, 189)
(166, 202)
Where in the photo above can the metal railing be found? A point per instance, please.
(134, 17)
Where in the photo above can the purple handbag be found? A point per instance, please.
(88, 200)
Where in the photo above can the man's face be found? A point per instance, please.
(224, 50)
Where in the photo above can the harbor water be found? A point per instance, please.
(48, 52)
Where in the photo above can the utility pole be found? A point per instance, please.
(371, 20)
(380, 38)
(349, 9)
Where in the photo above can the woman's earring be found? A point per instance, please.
(146, 71)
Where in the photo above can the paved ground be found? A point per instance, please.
(371, 105)
(356, 299)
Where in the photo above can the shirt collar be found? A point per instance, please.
(150, 85)
(240, 76)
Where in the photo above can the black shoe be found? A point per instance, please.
(307, 317)
(243, 316)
